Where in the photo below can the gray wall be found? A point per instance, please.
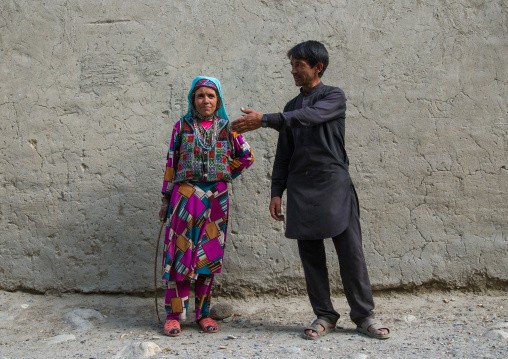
(90, 90)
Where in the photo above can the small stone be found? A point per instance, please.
(231, 337)
(293, 350)
(357, 356)
(221, 310)
(60, 338)
(410, 318)
(24, 306)
(141, 350)
(496, 334)
(446, 300)
(227, 320)
(79, 318)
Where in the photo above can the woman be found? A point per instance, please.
(204, 155)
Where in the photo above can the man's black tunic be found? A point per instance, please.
(312, 165)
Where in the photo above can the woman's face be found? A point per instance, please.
(205, 101)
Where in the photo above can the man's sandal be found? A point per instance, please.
(208, 325)
(321, 332)
(370, 328)
(172, 328)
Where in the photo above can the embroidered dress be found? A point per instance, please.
(196, 232)
(196, 227)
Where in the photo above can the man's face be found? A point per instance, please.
(304, 75)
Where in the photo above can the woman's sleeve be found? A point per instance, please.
(172, 163)
(242, 156)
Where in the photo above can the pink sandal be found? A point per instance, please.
(172, 328)
(208, 325)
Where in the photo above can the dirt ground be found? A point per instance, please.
(423, 325)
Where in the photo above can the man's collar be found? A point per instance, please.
(312, 90)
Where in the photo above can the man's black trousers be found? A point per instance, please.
(353, 271)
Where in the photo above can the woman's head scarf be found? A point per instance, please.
(208, 82)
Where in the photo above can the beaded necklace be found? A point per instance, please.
(206, 138)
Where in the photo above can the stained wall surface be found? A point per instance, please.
(90, 90)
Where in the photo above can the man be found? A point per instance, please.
(312, 165)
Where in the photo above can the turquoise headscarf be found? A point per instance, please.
(222, 110)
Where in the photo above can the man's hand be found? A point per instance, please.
(250, 122)
(275, 210)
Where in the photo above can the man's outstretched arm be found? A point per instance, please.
(331, 106)
(250, 122)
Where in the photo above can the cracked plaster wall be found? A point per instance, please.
(89, 92)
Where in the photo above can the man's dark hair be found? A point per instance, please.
(313, 52)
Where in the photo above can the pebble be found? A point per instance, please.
(409, 318)
(231, 337)
(496, 334)
(292, 350)
(221, 311)
(227, 320)
(60, 338)
(79, 318)
(141, 350)
(357, 356)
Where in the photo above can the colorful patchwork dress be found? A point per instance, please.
(196, 179)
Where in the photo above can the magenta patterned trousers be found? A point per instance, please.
(177, 297)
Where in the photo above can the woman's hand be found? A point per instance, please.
(275, 210)
(163, 212)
